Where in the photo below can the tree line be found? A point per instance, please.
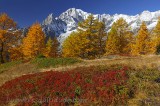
(89, 41)
(13, 46)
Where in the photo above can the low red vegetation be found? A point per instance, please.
(71, 87)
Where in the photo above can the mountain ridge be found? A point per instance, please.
(67, 22)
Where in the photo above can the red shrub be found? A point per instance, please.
(61, 88)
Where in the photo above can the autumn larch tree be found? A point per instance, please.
(113, 42)
(125, 35)
(119, 38)
(156, 36)
(51, 49)
(8, 35)
(101, 34)
(55, 47)
(143, 44)
(34, 42)
(88, 41)
(88, 27)
(75, 45)
(94, 31)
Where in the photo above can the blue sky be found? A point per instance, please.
(26, 12)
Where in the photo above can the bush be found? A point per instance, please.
(68, 88)
(41, 56)
(146, 85)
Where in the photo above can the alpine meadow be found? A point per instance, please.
(79, 58)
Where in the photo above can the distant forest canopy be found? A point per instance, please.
(90, 41)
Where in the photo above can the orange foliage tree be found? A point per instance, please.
(34, 42)
(8, 36)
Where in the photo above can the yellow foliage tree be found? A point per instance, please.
(51, 48)
(156, 36)
(119, 38)
(55, 47)
(75, 45)
(34, 42)
(88, 41)
(101, 43)
(113, 42)
(89, 29)
(125, 35)
(8, 35)
(143, 43)
(94, 31)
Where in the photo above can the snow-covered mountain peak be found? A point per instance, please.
(49, 19)
(156, 14)
(146, 12)
(72, 16)
(146, 16)
(72, 12)
(67, 22)
(51, 15)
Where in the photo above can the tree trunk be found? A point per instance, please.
(1, 53)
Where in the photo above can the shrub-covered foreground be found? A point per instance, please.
(147, 87)
(88, 87)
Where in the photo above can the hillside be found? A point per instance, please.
(142, 85)
(18, 69)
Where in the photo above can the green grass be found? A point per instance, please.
(6, 66)
(54, 62)
(38, 63)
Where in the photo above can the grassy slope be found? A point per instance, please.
(51, 62)
(145, 70)
(7, 66)
(12, 70)
(15, 69)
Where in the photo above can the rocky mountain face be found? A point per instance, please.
(67, 22)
